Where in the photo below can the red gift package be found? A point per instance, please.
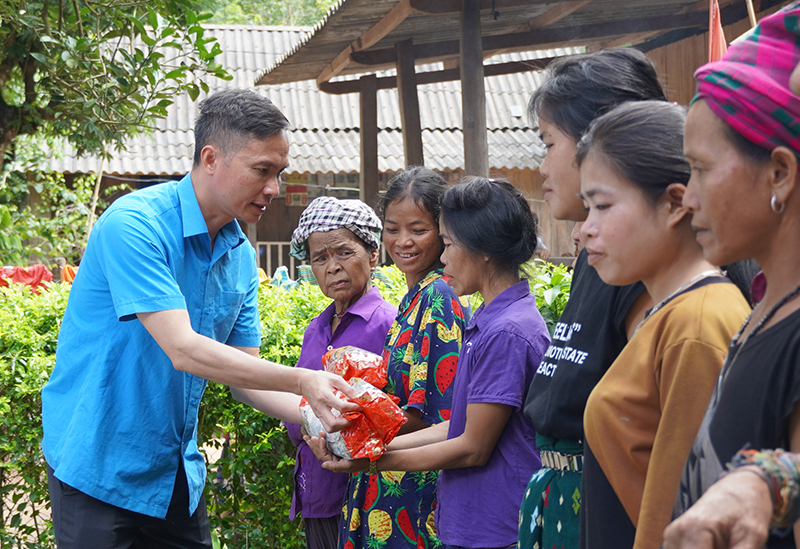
(350, 362)
(379, 419)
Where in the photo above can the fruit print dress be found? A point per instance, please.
(394, 509)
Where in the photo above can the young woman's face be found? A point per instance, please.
(465, 268)
(726, 194)
(411, 237)
(623, 229)
(562, 177)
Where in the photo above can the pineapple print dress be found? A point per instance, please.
(394, 509)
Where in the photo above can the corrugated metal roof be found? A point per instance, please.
(325, 127)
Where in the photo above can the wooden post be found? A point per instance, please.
(368, 133)
(473, 93)
(751, 13)
(409, 103)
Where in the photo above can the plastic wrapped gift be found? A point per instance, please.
(351, 362)
(378, 421)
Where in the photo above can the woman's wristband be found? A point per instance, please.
(781, 473)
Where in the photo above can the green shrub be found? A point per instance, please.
(249, 488)
(550, 284)
(28, 332)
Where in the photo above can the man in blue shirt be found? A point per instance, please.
(165, 299)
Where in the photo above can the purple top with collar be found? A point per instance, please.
(479, 506)
(318, 492)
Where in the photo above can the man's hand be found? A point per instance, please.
(318, 388)
(733, 514)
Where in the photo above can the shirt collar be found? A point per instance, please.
(508, 296)
(194, 223)
(429, 278)
(365, 306)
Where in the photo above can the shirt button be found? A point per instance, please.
(330, 347)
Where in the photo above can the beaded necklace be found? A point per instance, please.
(785, 299)
(728, 363)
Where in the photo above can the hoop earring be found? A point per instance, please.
(773, 203)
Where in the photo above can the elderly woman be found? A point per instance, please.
(742, 142)
(340, 239)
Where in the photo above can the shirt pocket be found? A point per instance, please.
(229, 304)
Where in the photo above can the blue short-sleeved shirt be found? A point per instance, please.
(117, 415)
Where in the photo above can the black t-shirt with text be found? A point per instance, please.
(586, 341)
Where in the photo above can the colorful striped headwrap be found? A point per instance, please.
(749, 87)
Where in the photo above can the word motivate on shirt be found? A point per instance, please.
(562, 333)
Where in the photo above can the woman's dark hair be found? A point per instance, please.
(491, 218)
(579, 88)
(643, 142)
(742, 274)
(425, 187)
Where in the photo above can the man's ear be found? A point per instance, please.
(783, 174)
(210, 157)
(673, 198)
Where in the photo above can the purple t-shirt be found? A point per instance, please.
(318, 492)
(479, 506)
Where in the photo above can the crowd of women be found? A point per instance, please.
(661, 368)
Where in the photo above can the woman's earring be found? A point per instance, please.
(773, 203)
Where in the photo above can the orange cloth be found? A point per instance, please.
(34, 276)
(68, 273)
(716, 37)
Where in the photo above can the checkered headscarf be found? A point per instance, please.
(749, 87)
(327, 213)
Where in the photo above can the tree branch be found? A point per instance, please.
(46, 16)
(78, 16)
(28, 68)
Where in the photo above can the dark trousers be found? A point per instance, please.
(322, 533)
(83, 522)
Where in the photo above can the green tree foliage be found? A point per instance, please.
(42, 213)
(96, 71)
(266, 12)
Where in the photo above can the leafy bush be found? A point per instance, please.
(29, 326)
(550, 284)
(251, 460)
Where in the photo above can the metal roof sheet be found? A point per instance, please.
(325, 127)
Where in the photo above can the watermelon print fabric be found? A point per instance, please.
(394, 509)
